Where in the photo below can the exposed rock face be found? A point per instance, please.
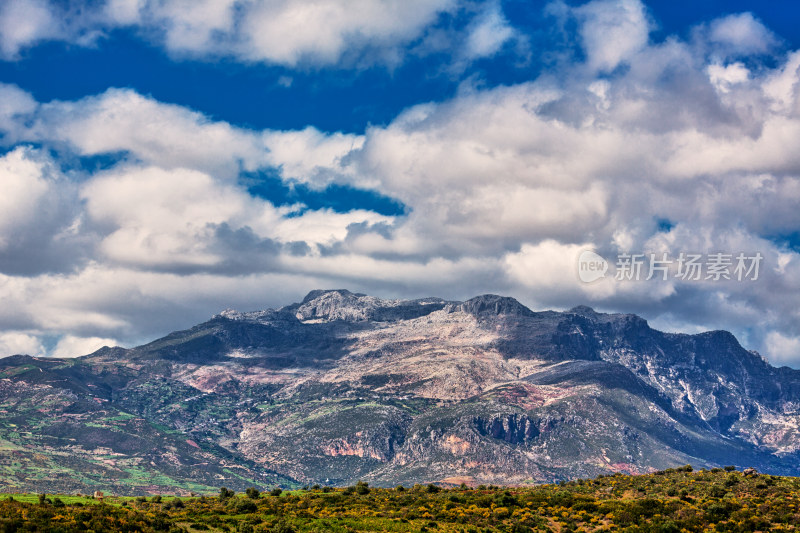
(344, 386)
(514, 428)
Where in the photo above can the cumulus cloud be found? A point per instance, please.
(285, 32)
(72, 346)
(13, 343)
(488, 33)
(166, 218)
(14, 103)
(121, 120)
(289, 32)
(612, 31)
(783, 349)
(23, 23)
(685, 149)
(39, 216)
(741, 34)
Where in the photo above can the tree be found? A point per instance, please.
(362, 487)
(252, 493)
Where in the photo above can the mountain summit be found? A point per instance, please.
(344, 386)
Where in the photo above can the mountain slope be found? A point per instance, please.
(345, 386)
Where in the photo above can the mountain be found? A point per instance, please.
(344, 386)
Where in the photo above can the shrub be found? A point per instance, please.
(243, 506)
(276, 491)
(252, 493)
(282, 527)
(668, 527)
(718, 492)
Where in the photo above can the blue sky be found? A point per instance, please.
(166, 160)
(332, 97)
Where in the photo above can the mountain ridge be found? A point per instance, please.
(344, 386)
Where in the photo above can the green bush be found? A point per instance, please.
(244, 506)
(282, 527)
(362, 488)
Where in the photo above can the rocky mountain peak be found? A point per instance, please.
(583, 310)
(489, 305)
(330, 293)
(341, 304)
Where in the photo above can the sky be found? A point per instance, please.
(163, 160)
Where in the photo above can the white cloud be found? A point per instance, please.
(548, 270)
(781, 86)
(291, 31)
(612, 31)
(286, 32)
(167, 218)
(124, 12)
(741, 34)
(488, 33)
(723, 77)
(23, 23)
(311, 156)
(121, 120)
(324, 226)
(13, 343)
(14, 102)
(504, 188)
(24, 186)
(783, 349)
(72, 346)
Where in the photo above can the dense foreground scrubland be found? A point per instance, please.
(671, 500)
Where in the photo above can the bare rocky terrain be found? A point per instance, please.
(343, 386)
